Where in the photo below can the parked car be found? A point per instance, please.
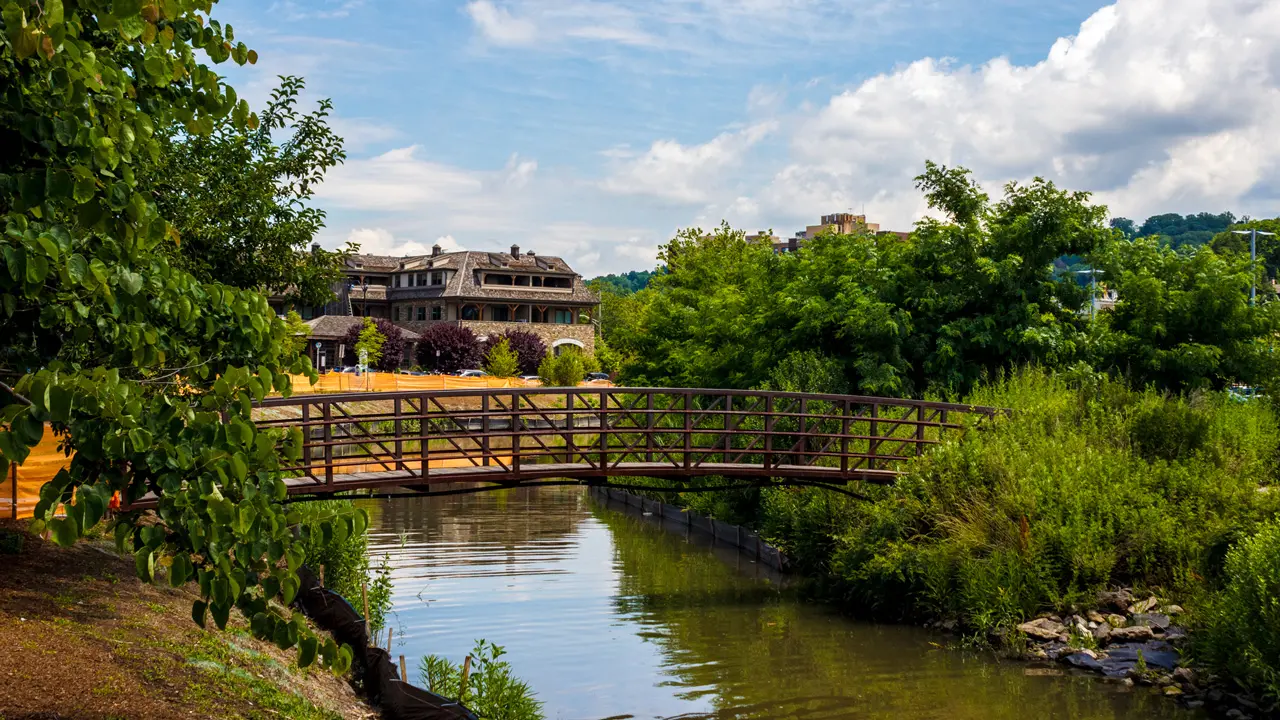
(597, 376)
(530, 377)
(472, 373)
(1243, 393)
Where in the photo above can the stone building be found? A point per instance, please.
(488, 292)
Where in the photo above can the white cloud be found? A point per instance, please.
(684, 173)
(499, 26)
(1178, 120)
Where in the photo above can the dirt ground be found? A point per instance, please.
(81, 637)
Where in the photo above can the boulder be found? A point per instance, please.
(1185, 676)
(1042, 629)
(1137, 633)
(1115, 600)
(1085, 660)
(1143, 605)
(1152, 620)
(1101, 633)
(1095, 616)
(1172, 610)
(1116, 621)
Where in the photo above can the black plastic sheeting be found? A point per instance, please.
(371, 666)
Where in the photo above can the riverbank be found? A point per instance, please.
(1087, 487)
(84, 638)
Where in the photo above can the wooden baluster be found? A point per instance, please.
(568, 425)
(729, 427)
(424, 441)
(844, 437)
(399, 443)
(604, 431)
(873, 445)
(768, 431)
(306, 439)
(484, 429)
(688, 429)
(804, 436)
(919, 430)
(648, 443)
(516, 430)
(328, 443)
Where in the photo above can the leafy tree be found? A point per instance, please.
(147, 373)
(1183, 319)
(297, 330)
(1185, 230)
(567, 369)
(528, 347)
(392, 349)
(501, 360)
(1125, 225)
(1267, 246)
(623, 284)
(239, 197)
(448, 348)
(369, 343)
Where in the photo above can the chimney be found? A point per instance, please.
(435, 250)
(315, 247)
(515, 251)
(793, 244)
(529, 253)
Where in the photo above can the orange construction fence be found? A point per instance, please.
(22, 486)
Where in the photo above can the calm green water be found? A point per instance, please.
(608, 615)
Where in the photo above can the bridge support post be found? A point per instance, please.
(604, 431)
(424, 440)
(688, 430)
(399, 443)
(308, 436)
(920, 430)
(648, 441)
(516, 429)
(844, 438)
(873, 445)
(768, 432)
(484, 429)
(328, 443)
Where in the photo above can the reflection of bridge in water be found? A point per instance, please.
(510, 437)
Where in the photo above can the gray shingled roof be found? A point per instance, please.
(336, 326)
(462, 284)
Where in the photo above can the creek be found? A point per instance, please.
(606, 614)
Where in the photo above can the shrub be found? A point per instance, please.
(392, 348)
(564, 370)
(492, 691)
(457, 347)
(346, 564)
(500, 361)
(1241, 633)
(528, 347)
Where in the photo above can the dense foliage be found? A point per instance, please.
(493, 691)
(564, 370)
(1089, 484)
(501, 361)
(147, 372)
(346, 564)
(238, 199)
(1176, 230)
(623, 283)
(391, 349)
(962, 299)
(528, 347)
(448, 348)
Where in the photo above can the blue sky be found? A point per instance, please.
(594, 129)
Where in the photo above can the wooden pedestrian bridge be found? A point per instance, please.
(513, 437)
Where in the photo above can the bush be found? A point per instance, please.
(500, 361)
(1241, 633)
(528, 347)
(457, 347)
(346, 564)
(564, 370)
(493, 692)
(393, 346)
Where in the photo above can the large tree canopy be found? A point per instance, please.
(238, 199)
(142, 369)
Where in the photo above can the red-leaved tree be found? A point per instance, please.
(457, 346)
(528, 347)
(392, 350)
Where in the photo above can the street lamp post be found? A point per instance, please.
(1253, 258)
(1093, 288)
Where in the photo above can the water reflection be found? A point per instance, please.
(607, 615)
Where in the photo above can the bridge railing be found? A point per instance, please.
(515, 433)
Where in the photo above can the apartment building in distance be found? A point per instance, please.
(489, 292)
(839, 223)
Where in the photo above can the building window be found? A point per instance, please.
(537, 281)
(422, 313)
(564, 317)
(437, 313)
(437, 278)
(470, 312)
(307, 312)
(500, 314)
(422, 279)
(396, 280)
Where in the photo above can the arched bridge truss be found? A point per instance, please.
(508, 437)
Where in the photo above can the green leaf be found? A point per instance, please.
(220, 614)
(65, 531)
(77, 268)
(179, 570)
(288, 589)
(144, 561)
(27, 429)
(198, 610)
(53, 12)
(130, 282)
(307, 648)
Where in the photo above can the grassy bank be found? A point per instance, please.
(84, 638)
(1088, 485)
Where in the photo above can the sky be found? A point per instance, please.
(596, 129)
